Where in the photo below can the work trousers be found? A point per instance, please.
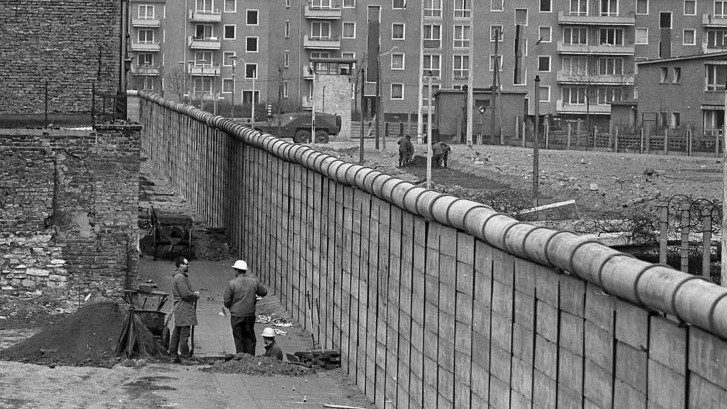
(179, 341)
(243, 332)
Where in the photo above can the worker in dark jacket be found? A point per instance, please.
(440, 152)
(272, 349)
(406, 150)
(240, 298)
(185, 310)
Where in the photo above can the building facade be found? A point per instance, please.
(584, 51)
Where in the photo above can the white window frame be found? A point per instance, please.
(394, 7)
(550, 34)
(462, 9)
(549, 11)
(393, 67)
(343, 29)
(255, 96)
(226, 55)
(547, 88)
(572, 30)
(286, 28)
(353, 6)
(320, 25)
(550, 63)
(287, 4)
(464, 71)
(494, 2)
(431, 10)
(723, 12)
(146, 40)
(616, 63)
(403, 31)
(492, 32)
(578, 11)
(224, 32)
(251, 64)
(224, 81)
(677, 74)
(636, 8)
(523, 78)
(636, 35)
(204, 8)
(612, 30)
(391, 92)
(527, 15)
(492, 60)
(247, 17)
(257, 44)
(224, 6)
(286, 58)
(459, 40)
(437, 70)
(694, 36)
(146, 8)
(610, 12)
(685, 8)
(285, 89)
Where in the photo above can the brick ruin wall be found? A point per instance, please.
(69, 44)
(68, 210)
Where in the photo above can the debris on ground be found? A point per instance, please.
(317, 358)
(32, 308)
(85, 338)
(273, 319)
(258, 365)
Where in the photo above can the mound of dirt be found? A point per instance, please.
(86, 338)
(258, 365)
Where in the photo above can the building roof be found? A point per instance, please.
(709, 56)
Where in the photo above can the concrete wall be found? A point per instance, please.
(337, 99)
(68, 209)
(436, 301)
(68, 43)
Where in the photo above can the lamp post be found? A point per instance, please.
(252, 110)
(536, 142)
(201, 102)
(232, 105)
(313, 104)
(379, 103)
(146, 74)
(429, 130)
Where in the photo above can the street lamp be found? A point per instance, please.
(232, 108)
(429, 130)
(184, 80)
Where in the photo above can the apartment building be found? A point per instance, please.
(584, 51)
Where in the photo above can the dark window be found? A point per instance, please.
(665, 19)
(252, 17)
(545, 5)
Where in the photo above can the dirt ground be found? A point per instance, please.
(603, 184)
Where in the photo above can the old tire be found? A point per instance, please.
(321, 137)
(301, 136)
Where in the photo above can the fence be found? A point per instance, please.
(437, 301)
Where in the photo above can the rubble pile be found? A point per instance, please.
(85, 338)
(258, 365)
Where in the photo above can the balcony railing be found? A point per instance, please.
(206, 71)
(323, 13)
(209, 43)
(603, 49)
(710, 20)
(150, 70)
(708, 49)
(573, 19)
(205, 16)
(322, 43)
(145, 22)
(147, 46)
(582, 108)
(596, 79)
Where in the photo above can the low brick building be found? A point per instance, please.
(69, 209)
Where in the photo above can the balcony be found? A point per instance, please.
(581, 108)
(567, 77)
(205, 16)
(604, 49)
(323, 13)
(576, 20)
(148, 46)
(145, 22)
(209, 43)
(709, 20)
(206, 71)
(709, 49)
(306, 74)
(144, 70)
(322, 43)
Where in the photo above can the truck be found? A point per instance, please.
(297, 125)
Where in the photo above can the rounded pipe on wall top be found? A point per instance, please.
(399, 192)
(621, 274)
(718, 319)
(388, 187)
(412, 197)
(494, 229)
(476, 219)
(326, 163)
(515, 238)
(351, 174)
(333, 169)
(377, 185)
(658, 285)
(696, 302)
(368, 180)
(360, 177)
(342, 171)
(440, 207)
(425, 201)
(589, 259)
(458, 212)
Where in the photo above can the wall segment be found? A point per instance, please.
(436, 301)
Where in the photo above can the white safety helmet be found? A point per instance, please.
(240, 265)
(268, 333)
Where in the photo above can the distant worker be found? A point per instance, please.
(272, 349)
(240, 298)
(185, 310)
(406, 150)
(440, 152)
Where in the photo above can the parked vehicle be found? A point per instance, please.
(297, 125)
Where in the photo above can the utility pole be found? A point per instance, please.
(120, 105)
(495, 86)
(429, 130)
(362, 73)
(252, 111)
(378, 95)
(313, 105)
(201, 101)
(536, 142)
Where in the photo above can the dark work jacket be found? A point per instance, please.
(185, 312)
(240, 295)
(274, 351)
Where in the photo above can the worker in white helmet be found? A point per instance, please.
(272, 349)
(240, 298)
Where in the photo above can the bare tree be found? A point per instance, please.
(177, 82)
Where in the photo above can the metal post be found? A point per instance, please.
(378, 96)
(313, 105)
(232, 107)
(46, 102)
(536, 141)
(252, 111)
(493, 105)
(663, 230)
(361, 143)
(706, 242)
(201, 102)
(684, 264)
(429, 130)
